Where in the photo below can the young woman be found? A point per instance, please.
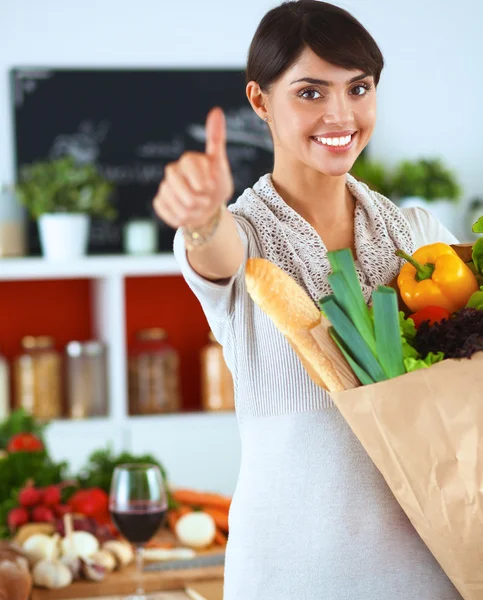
(311, 517)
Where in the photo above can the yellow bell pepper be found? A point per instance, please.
(435, 276)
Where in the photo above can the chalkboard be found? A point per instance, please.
(130, 124)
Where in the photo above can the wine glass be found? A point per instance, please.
(138, 506)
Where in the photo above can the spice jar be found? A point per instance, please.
(4, 388)
(38, 378)
(217, 392)
(153, 378)
(86, 379)
(12, 224)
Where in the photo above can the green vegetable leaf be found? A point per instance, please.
(352, 339)
(414, 364)
(347, 290)
(361, 375)
(408, 333)
(388, 338)
(478, 226)
(20, 422)
(477, 255)
(476, 299)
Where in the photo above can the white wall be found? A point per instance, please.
(430, 95)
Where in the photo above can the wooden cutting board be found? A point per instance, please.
(205, 590)
(123, 582)
(155, 596)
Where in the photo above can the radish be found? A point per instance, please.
(196, 530)
(17, 517)
(30, 495)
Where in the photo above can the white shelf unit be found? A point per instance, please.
(198, 449)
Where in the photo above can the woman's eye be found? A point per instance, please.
(361, 89)
(310, 94)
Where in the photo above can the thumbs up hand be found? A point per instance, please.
(196, 185)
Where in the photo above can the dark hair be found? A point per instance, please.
(329, 31)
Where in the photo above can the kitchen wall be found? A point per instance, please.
(430, 93)
(429, 99)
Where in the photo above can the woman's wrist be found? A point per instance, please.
(200, 236)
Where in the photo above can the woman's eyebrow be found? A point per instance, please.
(325, 83)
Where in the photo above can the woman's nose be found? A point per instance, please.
(338, 110)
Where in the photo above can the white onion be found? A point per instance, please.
(196, 530)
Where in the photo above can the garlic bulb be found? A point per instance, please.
(122, 552)
(51, 574)
(73, 563)
(80, 543)
(40, 546)
(92, 570)
(105, 559)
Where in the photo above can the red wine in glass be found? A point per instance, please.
(140, 523)
(138, 506)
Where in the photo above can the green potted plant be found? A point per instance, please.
(430, 184)
(374, 174)
(62, 196)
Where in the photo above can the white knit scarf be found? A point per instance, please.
(290, 242)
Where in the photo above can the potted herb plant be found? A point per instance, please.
(374, 174)
(429, 184)
(62, 196)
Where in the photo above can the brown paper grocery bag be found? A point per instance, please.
(424, 432)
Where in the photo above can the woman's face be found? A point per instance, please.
(321, 115)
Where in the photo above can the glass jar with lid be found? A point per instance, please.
(217, 392)
(38, 378)
(86, 379)
(153, 374)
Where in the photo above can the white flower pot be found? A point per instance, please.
(63, 236)
(444, 210)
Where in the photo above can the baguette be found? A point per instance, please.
(295, 315)
(15, 579)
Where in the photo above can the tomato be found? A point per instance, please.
(24, 442)
(432, 314)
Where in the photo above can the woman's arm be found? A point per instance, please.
(193, 196)
(221, 257)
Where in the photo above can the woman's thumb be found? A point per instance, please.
(216, 136)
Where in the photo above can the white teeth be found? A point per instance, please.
(340, 141)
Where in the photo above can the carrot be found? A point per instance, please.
(172, 518)
(220, 538)
(199, 499)
(219, 517)
(184, 510)
(175, 514)
(165, 545)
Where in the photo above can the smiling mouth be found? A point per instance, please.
(335, 144)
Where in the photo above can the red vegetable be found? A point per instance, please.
(17, 517)
(42, 514)
(24, 442)
(52, 495)
(91, 502)
(432, 314)
(30, 496)
(62, 509)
